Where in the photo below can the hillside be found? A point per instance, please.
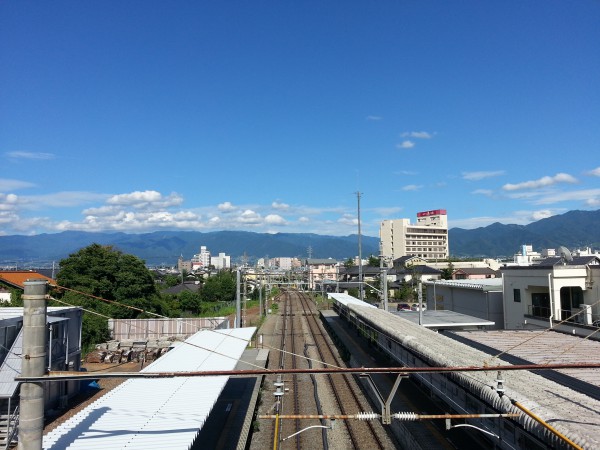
(573, 229)
(164, 247)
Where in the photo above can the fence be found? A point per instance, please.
(139, 329)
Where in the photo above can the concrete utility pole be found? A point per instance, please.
(361, 294)
(31, 420)
(238, 314)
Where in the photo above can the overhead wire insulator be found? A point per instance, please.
(405, 416)
(367, 416)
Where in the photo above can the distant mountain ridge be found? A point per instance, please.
(165, 247)
(573, 229)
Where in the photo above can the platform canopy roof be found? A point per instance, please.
(157, 413)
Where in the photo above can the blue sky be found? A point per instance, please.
(270, 116)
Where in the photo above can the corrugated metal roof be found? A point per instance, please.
(543, 347)
(157, 413)
(17, 278)
(443, 319)
(574, 414)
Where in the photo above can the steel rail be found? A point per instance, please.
(316, 329)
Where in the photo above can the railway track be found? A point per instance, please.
(303, 343)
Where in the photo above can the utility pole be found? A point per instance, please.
(31, 419)
(361, 295)
(238, 314)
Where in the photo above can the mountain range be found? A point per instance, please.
(574, 229)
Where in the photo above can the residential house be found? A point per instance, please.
(321, 271)
(475, 273)
(14, 279)
(556, 292)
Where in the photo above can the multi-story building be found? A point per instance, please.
(427, 239)
(202, 259)
(321, 271)
(222, 261)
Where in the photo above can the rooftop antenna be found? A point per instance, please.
(565, 255)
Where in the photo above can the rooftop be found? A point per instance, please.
(157, 413)
(17, 278)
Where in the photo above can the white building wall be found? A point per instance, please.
(522, 283)
(427, 239)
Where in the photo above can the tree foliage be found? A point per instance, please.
(373, 261)
(219, 288)
(103, 272)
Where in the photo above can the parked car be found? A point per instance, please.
(403, 307)
(415, 307)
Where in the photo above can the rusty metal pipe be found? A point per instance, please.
(546, 425)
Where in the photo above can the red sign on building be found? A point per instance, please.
(435, 212)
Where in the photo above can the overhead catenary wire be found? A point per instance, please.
(139, 326)
(114, 302)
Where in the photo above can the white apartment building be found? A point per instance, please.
(202, 259)
(222, 261)
(427, 239)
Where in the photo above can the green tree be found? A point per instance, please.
(171, 280)
(447, 272)
(220, 287)
(107, 273)
(188, 301)
(348, 263)
(373, 261)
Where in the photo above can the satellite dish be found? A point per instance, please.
(565, 254)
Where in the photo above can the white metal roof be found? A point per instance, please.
(346, 300)
(157, 413)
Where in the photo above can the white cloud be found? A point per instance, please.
(7, 184)
(8, 200)
(542, 214)
(480, 175)
(585, 195)
(303, 219)
(542, 182)
(276, 205)
(406, 172)
(30, 155)
(249, 217)
(406, 144)
(226, 207)
(595, 172)
(412, 187)
(348, 219)
(275, 219)
(417, 134)
(375, 118)
(145, 199)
